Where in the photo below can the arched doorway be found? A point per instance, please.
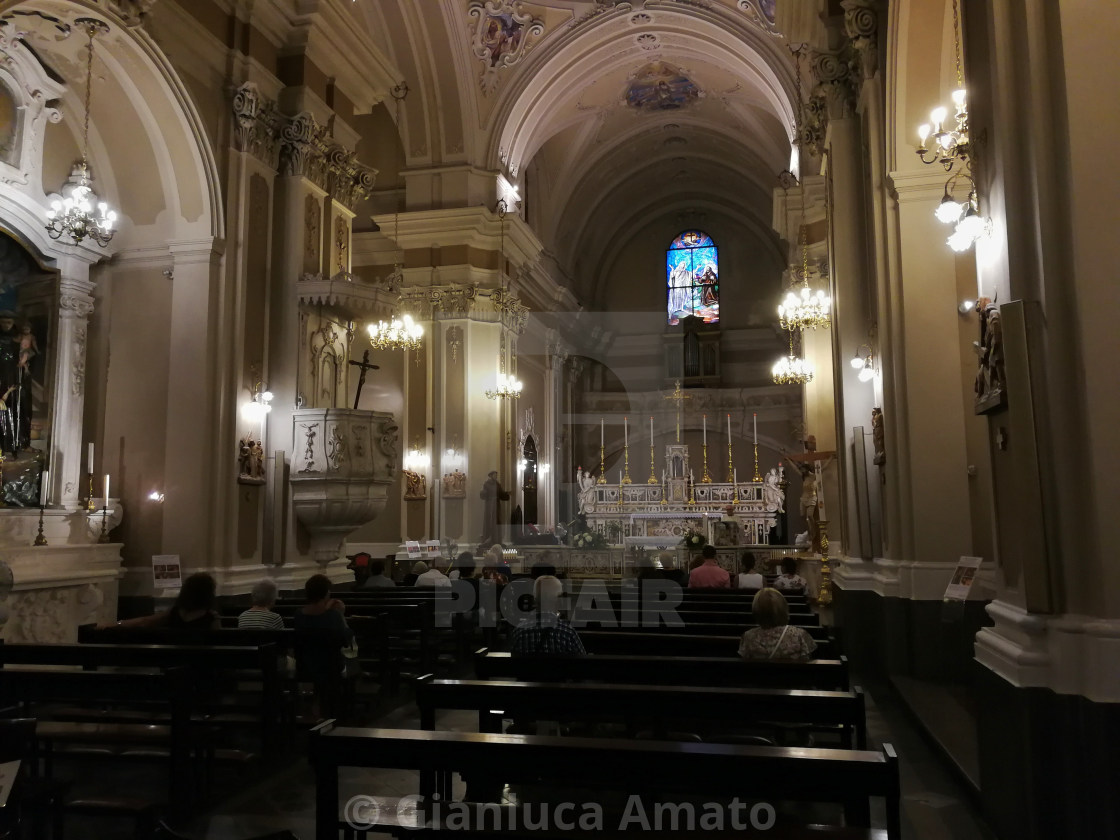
(529, 480)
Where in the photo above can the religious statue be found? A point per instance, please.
(990, 378)
(491, 494)
(772, 495)
(15, 382)
(586, 483)
(877, 436)
(250, 461)
(455, 485)
(415, 488)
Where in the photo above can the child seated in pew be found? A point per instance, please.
(774, 638)
(260, 615)
(749, 578)
(193, 608)
(789, 580)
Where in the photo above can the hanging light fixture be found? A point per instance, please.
(80, 214)
(803, 308)
(950, 144)
(508, 388)
(864, 362)
(792, 369)
(398, 334)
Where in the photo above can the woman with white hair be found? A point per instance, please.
(260, 616)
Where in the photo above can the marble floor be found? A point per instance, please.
(262, 800)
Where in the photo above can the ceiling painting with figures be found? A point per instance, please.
(692, 277)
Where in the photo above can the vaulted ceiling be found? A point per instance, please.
(605, 115)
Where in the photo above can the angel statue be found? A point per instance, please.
(772, 495)
(586, 483)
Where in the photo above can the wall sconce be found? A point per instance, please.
(542, 470)
(155, 496)
(416, 464)
(864, 363)
(259, 405)
(966, 307)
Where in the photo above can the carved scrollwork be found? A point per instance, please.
(336, 450)
(861, 24)
(310, 430)
(80, 306)
(501, 37)
(387, 440)
(78, 363)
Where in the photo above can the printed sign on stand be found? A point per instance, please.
(413, 549)
(965, 574)
(166, 573)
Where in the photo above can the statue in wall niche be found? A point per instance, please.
(990, 377)
(877, 436)
(250, 461)
(772, 495)
(455, 485)
(415, 488)
(586, 483)
(491, 494)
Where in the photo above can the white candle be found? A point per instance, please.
(729, 428)
(705, 429)
(625, 432)
(601, 437)
(735, 477)
(44, 482)
(89, 459)
(756, 429)
(651, 431)
(106, 490)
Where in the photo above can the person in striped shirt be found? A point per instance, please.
(260, 616)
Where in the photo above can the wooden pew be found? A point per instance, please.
(172, 689)
(596, 702)
(663, 771)
(202, 660)
(636, 618)
(820, 674)
(818, 634)
(673, 644)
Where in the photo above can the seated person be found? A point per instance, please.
(320, 660)
(774, 638)
(750, 578)
(377, 578)
(418, 568)
(669, 570)
(789, 580)
(545, 632)
(463, 567)
(193, 608)
(709, 575)
(260, 616)
(359, 565)
(432, 577)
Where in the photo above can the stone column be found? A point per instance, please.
(67, 457)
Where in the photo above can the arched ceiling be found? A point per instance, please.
(607, 113)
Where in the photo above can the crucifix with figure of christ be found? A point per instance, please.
(811, 464)
(678, 397)
(365, 367)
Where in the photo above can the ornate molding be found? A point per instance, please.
(501, 37)
(75, 306)
(256, 124)
(131, 12)
(756, 12)
(78, 362)
(861, 24)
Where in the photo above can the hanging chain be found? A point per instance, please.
(957, 44)
(399, 93)
(90, 30)
(799, 128)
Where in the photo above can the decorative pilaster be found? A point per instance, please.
(75, 304)
(861, 24)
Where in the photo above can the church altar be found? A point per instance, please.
(659, 514)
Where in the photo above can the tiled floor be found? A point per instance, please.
(934, 806)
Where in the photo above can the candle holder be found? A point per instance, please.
(104, 538)
(735, 498)
(691, 493)
(705, 478)
(652, 477)
(602, 467)
(40, 539)
(91, 506)
(626, 466)
(664, 493)
(757, 477)
(730, 465)
(824, 596)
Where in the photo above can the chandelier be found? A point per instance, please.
(508, 388)
(399, 334)
(79, 214)
(950, 144)
(791, 369)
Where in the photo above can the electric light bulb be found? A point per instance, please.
(937, 116)
(959, 98)
(948, 211)
(972, 225)
(923, 132)
(858, 362)
(867, 374)
(959, 241)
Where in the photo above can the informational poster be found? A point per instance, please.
(166, 573)
(8, 772)
(413, 549)
(432, 550)
(959, 586)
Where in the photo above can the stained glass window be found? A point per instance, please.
(692, 272)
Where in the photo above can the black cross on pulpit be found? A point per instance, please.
(365, 366)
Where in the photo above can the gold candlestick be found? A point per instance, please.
(90, 506)
(730, 465)
(625, 466)
(664, 493)
(705, 478)
(40, 539)
(757, 477)
(691, 492)
(104, 538)
(652, 478)
(824, 596)
(602, 467)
